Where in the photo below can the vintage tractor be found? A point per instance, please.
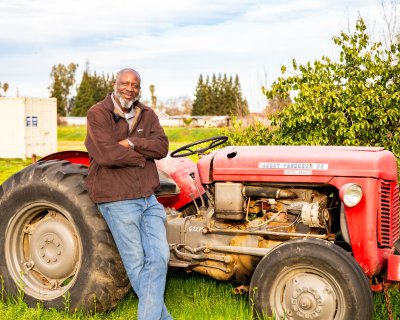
(310, 231)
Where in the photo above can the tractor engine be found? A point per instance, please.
(242, 222)
(283, 207)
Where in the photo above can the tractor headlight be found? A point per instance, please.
(351, 194)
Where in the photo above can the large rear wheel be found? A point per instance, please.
(310, 279)
(57, 247)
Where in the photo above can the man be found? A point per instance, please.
(123, 139)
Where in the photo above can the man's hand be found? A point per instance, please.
(124, 143)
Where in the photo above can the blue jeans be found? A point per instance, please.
(138, 229)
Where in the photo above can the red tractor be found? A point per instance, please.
(308, 230)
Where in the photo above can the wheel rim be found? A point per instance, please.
(305, 292)
(43, 250)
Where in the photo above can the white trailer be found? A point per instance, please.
(28, 126)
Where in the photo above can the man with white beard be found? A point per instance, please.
(124, 137)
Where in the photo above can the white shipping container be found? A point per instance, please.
(27, 126)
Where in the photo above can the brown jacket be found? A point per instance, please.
(119, 173)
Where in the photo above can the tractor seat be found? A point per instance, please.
(167, 185)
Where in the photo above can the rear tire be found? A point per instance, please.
(310, 279)
(57, 247)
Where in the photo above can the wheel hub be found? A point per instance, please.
(53, 248)
(306, 303)
(308, 296)
(50, 248)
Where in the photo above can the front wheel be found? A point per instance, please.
(57, 247)
(310, 279)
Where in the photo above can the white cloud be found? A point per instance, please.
(169, 42)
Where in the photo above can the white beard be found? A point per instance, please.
(125, 104)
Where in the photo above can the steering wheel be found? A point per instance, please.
(213, 142)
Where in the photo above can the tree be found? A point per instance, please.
(390, 12)
(101, 85)
(202, 98)
(176, 106)
(187, 105)
(57, 92)
(63, 79)
(84, 98)
(241, 105)
(220, 96)
(5, 88)
(354, 101)
(153, 97)
(277, 103)
(92, 89)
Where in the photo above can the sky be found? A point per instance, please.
(170, 43)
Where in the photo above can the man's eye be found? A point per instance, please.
(135, 86)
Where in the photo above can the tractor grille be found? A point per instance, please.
(389, 214)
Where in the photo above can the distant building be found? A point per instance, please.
(73, 121)
(196, 121)
(211, 121)
(28, 126)
(169, 121)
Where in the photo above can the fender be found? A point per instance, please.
(177, 168)
(78, 157)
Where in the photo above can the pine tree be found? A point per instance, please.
(92, 89)
(241, 107)
(200, 98)
(220, 96)
(214, 97)
(84, 98)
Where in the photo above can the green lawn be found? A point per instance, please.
(175, 134)
(9, 166)
(72, 137)
(188, 296)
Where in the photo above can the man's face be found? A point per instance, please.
(127, 87)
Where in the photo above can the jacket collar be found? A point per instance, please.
(117, 114)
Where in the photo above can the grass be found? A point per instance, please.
(188, 296)
(200, 297)
(9, 166)
(72, 137)
(181, 135)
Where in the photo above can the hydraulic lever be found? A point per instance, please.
(203, 205)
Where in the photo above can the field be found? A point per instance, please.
(188, 296)
(72, 137)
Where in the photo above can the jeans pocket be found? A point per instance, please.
(156, 209)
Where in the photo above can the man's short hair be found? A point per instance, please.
(130, 70)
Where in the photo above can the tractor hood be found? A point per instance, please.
(303, 163)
